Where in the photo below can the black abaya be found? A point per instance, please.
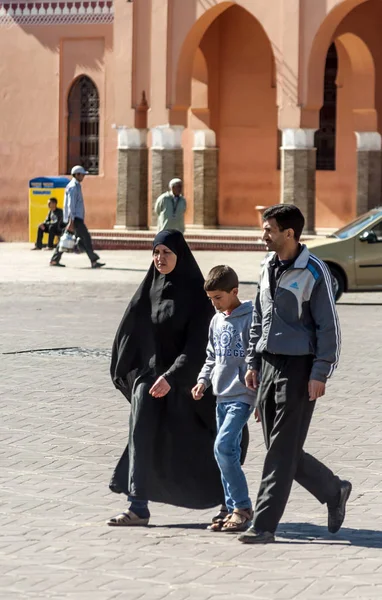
(169, 457)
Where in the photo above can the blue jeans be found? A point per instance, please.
(139, 507)
(231, 418)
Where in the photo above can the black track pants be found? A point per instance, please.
(285, 412)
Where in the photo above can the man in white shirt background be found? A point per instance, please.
(74, 216)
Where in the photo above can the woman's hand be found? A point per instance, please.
(160, 388)
(198, 391)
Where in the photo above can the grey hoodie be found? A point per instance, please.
(225, 366)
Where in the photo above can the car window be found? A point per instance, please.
(356, 226)
(377, 229)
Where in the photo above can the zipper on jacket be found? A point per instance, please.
(273, 301)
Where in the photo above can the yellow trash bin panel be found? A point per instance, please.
(41, 189)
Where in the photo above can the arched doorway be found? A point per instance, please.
(233, 92)
(325, 137)
(353, 183)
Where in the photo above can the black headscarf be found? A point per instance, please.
(150, 336)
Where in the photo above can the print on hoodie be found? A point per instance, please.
(225, 365)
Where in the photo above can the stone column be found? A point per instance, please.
(167, 160)
(205, 174)
(369, 158)
(298, 172)
(132, 179)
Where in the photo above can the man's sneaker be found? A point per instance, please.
(251, 536)
(336, 514)
(54, 263)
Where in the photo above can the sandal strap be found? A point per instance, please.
(245, 512)
(125, 517)
(239, 517)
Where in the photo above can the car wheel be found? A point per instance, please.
(338, 282)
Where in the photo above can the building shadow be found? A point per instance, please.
(306, 532)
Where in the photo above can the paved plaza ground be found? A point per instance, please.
(63, 427)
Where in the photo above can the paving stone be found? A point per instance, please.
(63, 426)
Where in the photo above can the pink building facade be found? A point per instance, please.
(251, 102)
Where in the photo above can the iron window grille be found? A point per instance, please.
(83, 126)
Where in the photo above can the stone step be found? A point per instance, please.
(145, 243)
(209, 239)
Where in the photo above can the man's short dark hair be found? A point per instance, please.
(221, 278)
(53, 200)
(287, 216)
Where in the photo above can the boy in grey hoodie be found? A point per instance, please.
(225, 370)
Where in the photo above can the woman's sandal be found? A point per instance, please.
(127, 519)
(219, 520)
(239, 521)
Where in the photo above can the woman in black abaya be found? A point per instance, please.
(157, 354)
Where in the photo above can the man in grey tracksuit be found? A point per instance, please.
(295, 340)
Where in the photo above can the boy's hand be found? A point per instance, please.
(251, 379)
(198, 391)
(160, 388)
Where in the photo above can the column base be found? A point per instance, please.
(166, 164)
(298, 182)
(132, 188)
(205, 187)
(368, 180)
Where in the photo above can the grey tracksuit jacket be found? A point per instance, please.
(225, 365)
(301, 319)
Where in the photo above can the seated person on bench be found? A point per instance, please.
(53, 225)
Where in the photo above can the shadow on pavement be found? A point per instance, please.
(199, 526)
(116, 269)
(124, 269)
(306, 532)
(359, 304)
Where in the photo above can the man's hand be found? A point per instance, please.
(198, 391)
(251, 379)
(42, 227)
(257, 416)
(70, 227)
(316, 389)
(160, 388)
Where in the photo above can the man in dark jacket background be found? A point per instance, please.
(295, 341)
(53, 225)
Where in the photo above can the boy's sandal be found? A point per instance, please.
(127, 519)
(240, 520)
(217, 525)
(222, 514)
(219, 520)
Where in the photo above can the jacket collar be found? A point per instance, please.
(301, 261)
